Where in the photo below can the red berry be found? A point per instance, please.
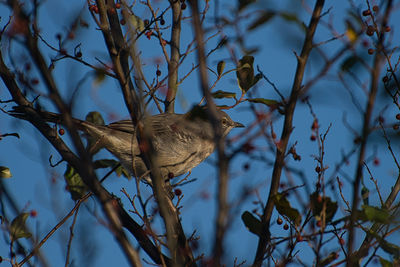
(61, 131)
(395, 127)
(371, 51)
(366, 12)
(319, 223)
(376, 161)
(398, 116)
(387, 29)
(342, 241)
(313, 138)
(146, 22)
(279, 221)
(35, 81)
(375, 8)
(370, 30)
(319, 199)
(318, 169)
(178, 192)
(158, 72)
(162, 21)
(148, 34)
(122, 21)
(33, 213)
(286, 226)
(71, 35)
(385, 79)
(183, 6)
(170, 175)
(118, 5)
(78, 54)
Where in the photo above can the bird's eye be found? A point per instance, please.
(224, 121)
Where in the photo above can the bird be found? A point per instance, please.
(180, 141)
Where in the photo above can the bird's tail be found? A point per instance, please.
(30, 114)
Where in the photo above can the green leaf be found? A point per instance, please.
(18, 228)
(5, 172)
(222, 94)
(120, 170)
(263, 18)
(252, 223)
(317, 204)
(268, 102)
(95, 118)
(385, 263)
(245, 73)
(220, 67)
(331, 257)
(291, 17)
(284, 208)
(75, 184)
(376, 214)
(110, 163)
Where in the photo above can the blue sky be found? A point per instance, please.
(37, 186)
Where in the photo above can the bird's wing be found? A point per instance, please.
(124, 126)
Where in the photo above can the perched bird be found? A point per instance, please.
(180, 141)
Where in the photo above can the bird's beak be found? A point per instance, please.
(238, 125)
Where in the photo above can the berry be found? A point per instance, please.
(376, 161)
(319, 199)
(395, 127)
(61, 131)
(279, 221)
(58, 36)
(313, 138)
(398, 116)
(35, 81)
(371, 51)
(385, 79)
(122, 21)
(158, 72)
(146, 22)
(71, 35)
(342, 241)
(375, 8)
(33, 213)
(314, 126)
(162, 21)
(183, 6)
(370, 30)
(148, 34)
(118, 5)
(286, 226)
(319, 223)
(318, 169)
(178, 192)
(78, 54)
(170, 175)
(366, 12)
(387, 29)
